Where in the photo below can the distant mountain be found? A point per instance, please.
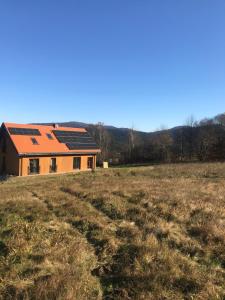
(75, 124)
(66, 124)
(203, 140)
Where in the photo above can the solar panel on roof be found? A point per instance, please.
(75, 140)
(23, 131)
(61, 133)
(77, 146)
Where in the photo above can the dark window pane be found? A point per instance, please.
(53, 161)
(34, 141)
(76, 162)
(49, 136)
(34, 166)
(90, 163)
(53, 166)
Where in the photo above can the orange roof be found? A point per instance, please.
(24, 145)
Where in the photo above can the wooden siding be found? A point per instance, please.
(11, 157)
(64, 164)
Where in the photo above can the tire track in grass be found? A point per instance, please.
(55, 220)
(114, 281)
(88, 229)
(97, 228)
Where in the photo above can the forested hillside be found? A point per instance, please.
(195, 141)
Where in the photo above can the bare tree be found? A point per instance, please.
(189, 136)
(131, 141)
(164, 143)
(190, 121)
(103, 140)
(220, 119)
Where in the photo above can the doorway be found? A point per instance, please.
(34, 166)
(90, 163)
(53, 166)
(76, 163)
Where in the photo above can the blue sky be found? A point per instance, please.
(126, 63)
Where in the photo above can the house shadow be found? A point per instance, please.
(4, 177)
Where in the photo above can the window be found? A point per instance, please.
(53, 166)
(34, 166)
(34, 141)
(90, 163)
(76, 163)
(49, 136)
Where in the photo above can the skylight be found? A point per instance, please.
(49, 136)
(34, 141)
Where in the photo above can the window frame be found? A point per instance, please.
(30, 170)
(49, 136)
(78, 158)
(34, 141)
(53, 166)
(90, 158)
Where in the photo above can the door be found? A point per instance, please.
(34, 166)
(53, 167)
(76, 163)
(90, 163)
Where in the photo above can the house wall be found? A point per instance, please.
(64, 164)
(10, 155)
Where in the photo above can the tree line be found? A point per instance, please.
(194, 141)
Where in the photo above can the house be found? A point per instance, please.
(38, 149)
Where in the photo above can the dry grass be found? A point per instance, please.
(130, 233)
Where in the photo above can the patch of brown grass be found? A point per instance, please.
(130, 233)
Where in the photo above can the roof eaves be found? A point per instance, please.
(58, 153)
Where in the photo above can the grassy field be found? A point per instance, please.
(130, 233)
